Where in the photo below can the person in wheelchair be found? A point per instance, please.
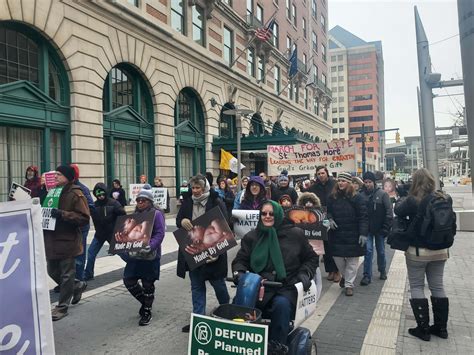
(277, 251)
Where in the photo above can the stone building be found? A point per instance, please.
(124, 88)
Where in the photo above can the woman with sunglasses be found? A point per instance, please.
(201, 200)
(348, 220)
(277, 251)
(143, 266)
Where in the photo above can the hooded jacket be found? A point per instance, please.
(33, 184)
(105, 214)
(309, 197)
(248, 203)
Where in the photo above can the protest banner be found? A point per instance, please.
(310, 221)
(134, 190)
(51, 201)
(19, 192)
(303, 158)
(132, 232)
(50, 180)
(214, 336)
(305, 303)
(246, 221)
(210, 237)
(25, 310)
(160, 195)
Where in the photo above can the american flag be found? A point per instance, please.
(264, 33)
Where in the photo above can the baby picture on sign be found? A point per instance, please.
(210, 237)
(132, 232)
(310, 220)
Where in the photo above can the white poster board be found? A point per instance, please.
(246, 220)
(306, 302)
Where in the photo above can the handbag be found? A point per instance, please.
(399, 236)
(143, 254)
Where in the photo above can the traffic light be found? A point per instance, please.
(397, 137)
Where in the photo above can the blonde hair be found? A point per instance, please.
(350, 191)
(423, 184)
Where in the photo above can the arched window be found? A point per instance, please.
(189, 135)
(34, 105)
(227, 124)
(256, 125)
(128, 126)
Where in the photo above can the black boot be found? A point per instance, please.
(277, 348)
(440, 307)
(146, 317)
(422, 316)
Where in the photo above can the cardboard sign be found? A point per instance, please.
(160, 196)
(209, 335)
(134, 190)
(310, 220)
(25, 309)
(50, 180)
(210, 237)
(305, 303)
(301, 159)
(132, 232)
(246, 221)
(19, 192)
(51, 201)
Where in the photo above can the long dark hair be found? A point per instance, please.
(248, 197)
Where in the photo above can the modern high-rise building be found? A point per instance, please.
(131, 87)
(356, 77)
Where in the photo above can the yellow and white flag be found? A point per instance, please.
(229, 162)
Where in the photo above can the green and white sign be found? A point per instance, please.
(212, 336)
(51, 201)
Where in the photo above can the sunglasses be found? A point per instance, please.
(271, 214)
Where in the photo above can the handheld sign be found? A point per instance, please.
(134, 190)
(209, 335)
(160, 195)
(25, 309)
(246, 221)
(210, 237)
(132, 232)
(310, 220)
(50, 180)
(51, 201)
(19, 192)
(305, 303)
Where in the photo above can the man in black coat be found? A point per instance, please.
(380, 212)
(104, 216)
(323, 188)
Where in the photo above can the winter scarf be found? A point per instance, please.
(268, 246)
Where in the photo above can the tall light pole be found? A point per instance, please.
(238, 113)
(427, 78)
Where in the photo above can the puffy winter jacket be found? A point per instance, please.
(379, 210)
(105, 214)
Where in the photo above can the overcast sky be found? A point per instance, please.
(393, 23)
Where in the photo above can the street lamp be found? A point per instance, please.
(238, 113)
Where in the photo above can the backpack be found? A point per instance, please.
(438, 224)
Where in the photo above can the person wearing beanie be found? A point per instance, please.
(347, 214)
(357, 183)
(202, 200)
(104, 217)
(64, 243)
(283, 188)
(380, 213)
(81, 259)
(144, 265)
(255, 194)
(322, 188)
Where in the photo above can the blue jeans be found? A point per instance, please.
(92, 252)
(280, 311)
(381, 260)
(81, 259)
(198, 291)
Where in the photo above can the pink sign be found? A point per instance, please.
(50, 180)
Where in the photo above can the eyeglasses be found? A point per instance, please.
(271, 214)
(141, 200)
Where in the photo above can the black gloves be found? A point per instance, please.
(56, 213)
(305, 280)
(236, 277)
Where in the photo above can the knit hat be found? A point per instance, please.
(369, 176)
(284, 172)
(345, 177)
(146, 193)
(282, 178)
(67, 171)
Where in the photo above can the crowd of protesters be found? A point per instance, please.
(359, 213)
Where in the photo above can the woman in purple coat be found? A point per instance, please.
(145, 265)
